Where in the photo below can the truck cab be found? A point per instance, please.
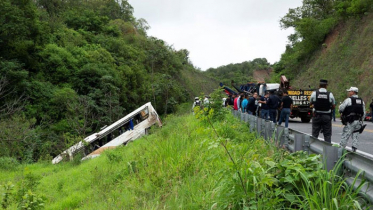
(268, 87)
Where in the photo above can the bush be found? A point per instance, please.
(8, 163)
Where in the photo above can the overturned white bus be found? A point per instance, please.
(129, 128)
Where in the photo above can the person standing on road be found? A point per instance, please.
(286, 107)
(235, 106)
(353, 112)
(239, 101)
(264, 112)
(273, 104)
(323, 102)
(244, 104)
(371, 111)
(251, 106)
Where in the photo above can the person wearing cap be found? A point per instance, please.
(323, 102)
(353, 111)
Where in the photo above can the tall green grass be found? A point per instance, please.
(180, 166)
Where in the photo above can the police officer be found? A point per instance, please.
(323, 102)
(353, 112)
(197, 102)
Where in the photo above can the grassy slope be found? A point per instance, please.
(177, 167)
(197, 82)
(347, 60)
(183, 166)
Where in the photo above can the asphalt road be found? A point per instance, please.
(365, 139)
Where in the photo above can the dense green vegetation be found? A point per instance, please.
(240, 73)
(332, 40)
(68, 67)
(213, 162)
(347, 60)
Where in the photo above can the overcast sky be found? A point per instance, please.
(219, 32)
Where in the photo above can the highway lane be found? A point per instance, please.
(365, 139)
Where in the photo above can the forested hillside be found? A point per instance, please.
(333, 40)
(68, 67)
(241, 73)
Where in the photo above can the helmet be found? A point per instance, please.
(196, 98)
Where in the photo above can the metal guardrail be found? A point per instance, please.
(295, 140)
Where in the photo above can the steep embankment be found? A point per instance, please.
(180, 166)
(184, 165)
(345, 60)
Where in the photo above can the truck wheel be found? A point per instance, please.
(305, 119)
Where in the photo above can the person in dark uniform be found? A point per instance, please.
(273, 104)
(286, 107)
(264, 112)
(251, 105)
(323, 102)
(353, 110)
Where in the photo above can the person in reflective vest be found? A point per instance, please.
(353, 112)
(323, 102)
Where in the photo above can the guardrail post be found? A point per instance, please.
(246, 117)
(259, 126)
(263, 127)
(254, 122)
(268, 130)
(251, 120)
(280, 135)
(242, 116)
(298, 142)
(273, 127)
(306, 144)
(286, 137)
(330, 156)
